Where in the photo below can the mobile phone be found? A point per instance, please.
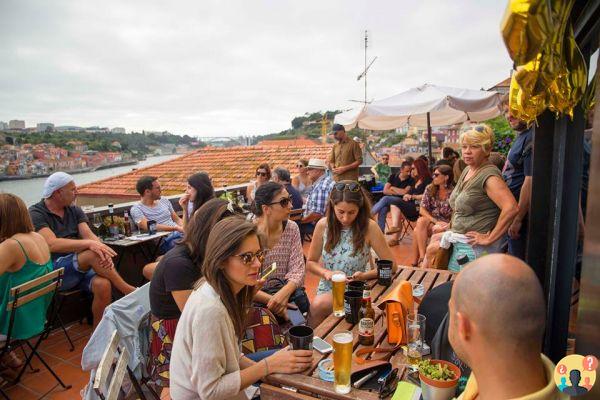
(296, 317)
(321, 346)
(269, 271)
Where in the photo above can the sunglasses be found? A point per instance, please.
(351, 186)
(283, 202)
(248, 257)
(258, 173)
(299, 166)
(436, 174)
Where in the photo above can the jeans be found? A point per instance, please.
(170, 241)
(518, 247)
(382, 207)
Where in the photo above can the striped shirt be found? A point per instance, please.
(287, 253)
(161, 212)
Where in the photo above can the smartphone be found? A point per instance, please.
(321, 346)
(296, 317)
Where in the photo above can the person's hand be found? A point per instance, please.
(482, 239)
(358, 276)
(407, 197)
(514, 228)
(439, 227)
(287, 361)
(339, 170)
(328, 274)
(179, 228)
(104, 252)
(278, 303)
(183, 201)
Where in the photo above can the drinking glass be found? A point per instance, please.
(415, 329)
(342, 361)
(339, 287)
(97, 221)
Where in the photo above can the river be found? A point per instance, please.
(30, 190)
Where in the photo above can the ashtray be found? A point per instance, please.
(326, 370)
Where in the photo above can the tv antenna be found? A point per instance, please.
(365, 71)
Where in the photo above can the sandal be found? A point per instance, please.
(393, 242)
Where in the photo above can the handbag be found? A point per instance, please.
(262, 332)
(299, 297)
(397, 305)
(442, 258)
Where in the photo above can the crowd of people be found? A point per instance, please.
(209, 272)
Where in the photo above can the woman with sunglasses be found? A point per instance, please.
(435, 211)
(483, 206)
(343, 239)
(272, 206)
(206, 362)
(172, 282)
(263, 175)
(302, 181)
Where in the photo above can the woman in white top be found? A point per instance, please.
(206, 361)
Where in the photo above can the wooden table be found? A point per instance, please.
(308, 385)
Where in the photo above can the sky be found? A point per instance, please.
(228, 68)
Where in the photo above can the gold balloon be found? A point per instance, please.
(552, 64)
(528, 76)
(523, 105)
(525, 27)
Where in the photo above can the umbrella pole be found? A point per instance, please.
(429, 141)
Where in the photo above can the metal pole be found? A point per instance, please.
(429, 140)
(366, 39)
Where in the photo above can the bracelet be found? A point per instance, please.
(266, 367)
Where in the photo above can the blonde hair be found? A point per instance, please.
(479, 135)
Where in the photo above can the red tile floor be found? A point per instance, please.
(67, 365)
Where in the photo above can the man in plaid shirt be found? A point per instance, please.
(316, 204)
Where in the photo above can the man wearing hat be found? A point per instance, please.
(87, 262)
(345, 156)
(316, 204)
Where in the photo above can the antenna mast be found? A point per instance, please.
(366, 45)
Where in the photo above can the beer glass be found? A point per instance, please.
(342, 361)
(415, 329)
(339, 287)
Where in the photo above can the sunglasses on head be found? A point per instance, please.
(249, 256)
(479, 128)
(259, 173)
(351, 186)
(283, 202)
(299, 166)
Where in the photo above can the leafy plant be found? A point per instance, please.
(438, 372)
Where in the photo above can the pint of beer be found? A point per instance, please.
(339, 287)
(342, 361)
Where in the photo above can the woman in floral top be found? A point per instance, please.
(435, 211)
(343, 239)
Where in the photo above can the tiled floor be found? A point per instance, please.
(67, 364)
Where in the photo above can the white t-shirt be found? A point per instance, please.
(161, 212)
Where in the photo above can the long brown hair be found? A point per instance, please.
(360, 225)
(14, 217)
(422, 170)
(446, 171)
(224, 241)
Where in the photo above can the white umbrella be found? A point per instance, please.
(424, 106)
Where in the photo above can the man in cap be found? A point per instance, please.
(497, 317)
(87, 262)
(345, 156)
(316, 204)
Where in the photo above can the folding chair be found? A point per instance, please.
(62, 296)
(21, 295)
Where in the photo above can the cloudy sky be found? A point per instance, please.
(221, 68)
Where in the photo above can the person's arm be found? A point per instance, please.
(331, 159)
(524, 203)
(388, 189)
(59, 245)
(426, 214)
(376, 239)
(344, 168)
(374, 171)
(314, 253)
(498, 192)
(249, 190)
(8, 256)
(86, 233)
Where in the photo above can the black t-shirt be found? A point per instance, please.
(399, 183)
(420, 189)
(175, 271)
(64, 228)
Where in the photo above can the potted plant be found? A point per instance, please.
(439, 379)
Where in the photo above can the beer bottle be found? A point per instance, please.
(126, 224)
(366, 324)
(113, 229)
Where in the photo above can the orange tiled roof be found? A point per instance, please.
(288, 142)
(226, 166)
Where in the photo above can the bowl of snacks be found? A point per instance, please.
(439, 379)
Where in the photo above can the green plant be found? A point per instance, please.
(438, 372)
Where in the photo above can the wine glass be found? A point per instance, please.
(97, 221)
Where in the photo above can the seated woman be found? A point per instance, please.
(263, 175)
(272, 206)
(206, 362)
(24, 256)
(172, 284)
(435, 211)
(302, 181)
(407, 207)
(198, 191)
(344, 239)
(483, 206)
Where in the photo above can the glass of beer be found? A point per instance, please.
(342, 361)
(339, 287)
(415, 329)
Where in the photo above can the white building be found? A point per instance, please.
(44, 126)
(3, 125)
(16, 124)
(117, 130)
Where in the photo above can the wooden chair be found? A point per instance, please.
(109, 390)
(21, 295)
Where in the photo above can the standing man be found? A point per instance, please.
(87, 262)
(517, 174)
(382, 170)
(316, 204)
(345, 156)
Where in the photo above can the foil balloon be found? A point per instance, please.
(524, 105)
(553, 62)
(525, 27)
(528, 77)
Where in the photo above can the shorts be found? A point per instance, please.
(73, 277)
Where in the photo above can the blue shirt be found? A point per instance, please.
(317, 200)
(519, 162)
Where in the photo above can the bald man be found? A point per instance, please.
(497, 317)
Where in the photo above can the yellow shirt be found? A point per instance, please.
(345, 153)
(549, 392)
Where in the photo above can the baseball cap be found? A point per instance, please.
(54, 182)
